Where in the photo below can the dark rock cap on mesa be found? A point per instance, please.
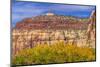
(53, 21)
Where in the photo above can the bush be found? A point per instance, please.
(54, 53)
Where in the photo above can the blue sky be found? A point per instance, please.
(21, 10)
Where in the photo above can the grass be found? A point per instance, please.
(54, 53)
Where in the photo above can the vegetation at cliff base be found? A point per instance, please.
(54, 53)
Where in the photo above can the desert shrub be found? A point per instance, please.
(54, 53)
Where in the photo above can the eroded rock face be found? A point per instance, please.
(52, 29)
(53, 22)
(28, 39)
(92, 26)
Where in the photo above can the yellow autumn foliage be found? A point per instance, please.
(54, 53)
